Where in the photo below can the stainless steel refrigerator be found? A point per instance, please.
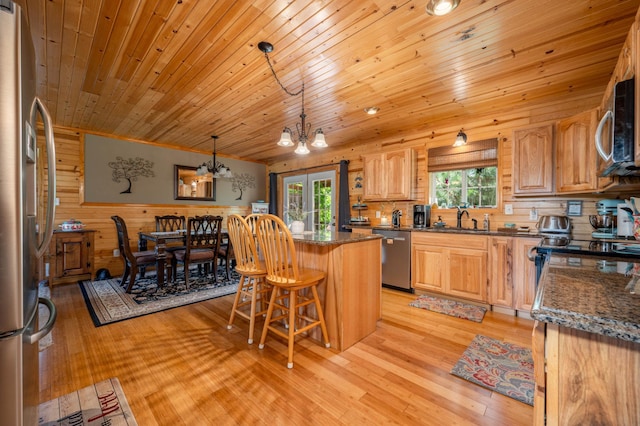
(27, 209)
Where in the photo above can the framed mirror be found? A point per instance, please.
(189, 185)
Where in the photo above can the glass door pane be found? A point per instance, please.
(313, 193)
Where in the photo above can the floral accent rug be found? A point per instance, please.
(102, 403)
(108, 302)
(450, 307)
(502, 367)
(43, 316)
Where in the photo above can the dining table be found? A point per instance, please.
(161, 239)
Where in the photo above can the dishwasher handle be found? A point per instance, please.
(390, 240)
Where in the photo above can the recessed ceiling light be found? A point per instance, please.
(371, 110)
(441, 7)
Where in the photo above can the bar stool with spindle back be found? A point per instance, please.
(252, 289)
(287, 278)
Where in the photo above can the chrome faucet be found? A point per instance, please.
(459, 217)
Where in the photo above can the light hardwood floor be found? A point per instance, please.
(183, 366)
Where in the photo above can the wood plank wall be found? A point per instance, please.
(483, 128)
(139, 217)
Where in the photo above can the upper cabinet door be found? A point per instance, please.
(374, 187)
(389, 176)
(576, 154)
(533, 160)
(400, 167)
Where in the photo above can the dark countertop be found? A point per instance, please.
(591, 294)
(446, 230)
(325, 238)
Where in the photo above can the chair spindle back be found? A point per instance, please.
(278, 249)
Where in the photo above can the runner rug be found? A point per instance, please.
(108, 302)
(100, 404)
(502, 367)
(450, 307)
(43, 316)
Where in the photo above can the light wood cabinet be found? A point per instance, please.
(603, 371)
(524, 273)
(452, 264)
(501, 271)
(533, 160)
(390, 175)
(576, 154)
(70, 256)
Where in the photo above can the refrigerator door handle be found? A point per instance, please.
(38, 106)
(45, 329)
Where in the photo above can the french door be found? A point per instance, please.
(314, 193)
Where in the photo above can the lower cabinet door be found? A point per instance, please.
(467, 271)
(428, 268)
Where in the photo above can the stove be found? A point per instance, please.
(601, 248)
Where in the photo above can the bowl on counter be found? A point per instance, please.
(71, 225)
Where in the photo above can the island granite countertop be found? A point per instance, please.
(325, 238)
(591, 294)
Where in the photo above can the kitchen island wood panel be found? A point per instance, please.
(351, 292)
(591, 342)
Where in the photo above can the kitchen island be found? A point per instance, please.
(351, 292)
(587, 334)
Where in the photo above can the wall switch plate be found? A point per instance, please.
(377, 214)
(508, 209)
(116, 253)
(533, 214)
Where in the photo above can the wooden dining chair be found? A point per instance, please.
(202, 244)
(226, 254)
(289, 280)
(133, 260)
(253, 291)
(170, 223)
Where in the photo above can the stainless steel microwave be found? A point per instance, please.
(614, 136)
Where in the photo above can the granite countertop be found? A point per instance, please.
(447, 230)
(591, 294)
(325, 238)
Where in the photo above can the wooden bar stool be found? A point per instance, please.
(252, 289)
(287, 279)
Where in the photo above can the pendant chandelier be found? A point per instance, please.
(303, 128)
(214, 166)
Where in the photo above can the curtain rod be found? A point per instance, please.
(311, 168)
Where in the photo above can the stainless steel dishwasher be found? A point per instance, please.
(396, 259)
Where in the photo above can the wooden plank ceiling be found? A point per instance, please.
(177, 71)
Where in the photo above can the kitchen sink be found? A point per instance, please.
(456, 230)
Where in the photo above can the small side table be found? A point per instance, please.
(71, 256)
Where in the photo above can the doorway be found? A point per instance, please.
(314, 193)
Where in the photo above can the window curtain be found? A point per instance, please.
(474, 155)
(273, 193)
(344, 209)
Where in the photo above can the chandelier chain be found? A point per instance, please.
(279, 82)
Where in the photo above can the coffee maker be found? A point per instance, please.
(421, 216)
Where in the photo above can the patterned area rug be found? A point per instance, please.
(499, 366)
(108, 302)
(43, 316)
(450, 307)
(102, 403)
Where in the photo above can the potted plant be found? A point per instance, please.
(296, 215)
